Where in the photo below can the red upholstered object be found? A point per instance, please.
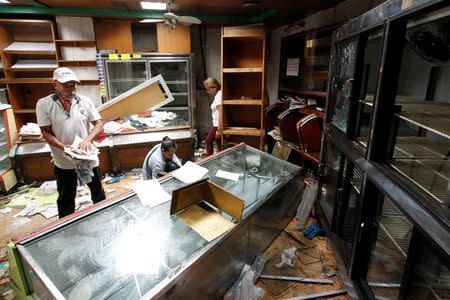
(272, 113)
(287, 121)
(309, 135)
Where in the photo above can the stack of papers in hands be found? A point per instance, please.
(190, 172)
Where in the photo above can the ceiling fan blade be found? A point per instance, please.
(188, 20)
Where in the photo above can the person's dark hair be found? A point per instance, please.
(167, 144)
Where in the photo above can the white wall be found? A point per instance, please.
(212, 51)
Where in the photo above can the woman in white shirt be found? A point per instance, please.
(212, 87)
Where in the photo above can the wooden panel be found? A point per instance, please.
(247, 85)
(241, 31)
(251, 132)
(250, 53)
(187, 195)
(37, 168)
(134, 103)
(5, 37)
(224, 200)
(177, 40)
(26, 95)
(242, 116)
(206, 221)
(31, 31)
(113, 34)
(133, 156)
(103, 157)
(253, 141)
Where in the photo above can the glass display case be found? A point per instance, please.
(177, 71)
(384, 171)
(121, 249)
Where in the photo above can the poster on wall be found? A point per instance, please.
(292, 66)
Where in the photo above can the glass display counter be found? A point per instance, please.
(120, 249)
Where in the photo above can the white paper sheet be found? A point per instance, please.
(150, 192)
(50, 212)
(228, 175)
(112, 127)
(292, 66)
(190, 172)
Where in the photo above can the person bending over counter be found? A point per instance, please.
(161, 160)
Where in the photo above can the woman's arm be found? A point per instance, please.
(219, 127)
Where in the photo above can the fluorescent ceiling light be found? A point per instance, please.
(151, 20)
(5, 2)
(153, 5)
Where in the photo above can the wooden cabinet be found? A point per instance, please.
(243, 50)
(28, 56)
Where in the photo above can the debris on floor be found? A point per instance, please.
(312, 272)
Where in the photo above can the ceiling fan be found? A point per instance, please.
(171, 19)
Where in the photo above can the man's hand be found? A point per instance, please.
(85, 145)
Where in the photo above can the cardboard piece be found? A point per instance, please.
(146, 96)
(187, 204)
(282, 150)
(205, 221)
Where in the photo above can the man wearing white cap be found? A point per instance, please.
(62, 116)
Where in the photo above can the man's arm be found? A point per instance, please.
(50, 138)
(95, 132)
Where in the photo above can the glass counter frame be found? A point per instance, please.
(262, 220)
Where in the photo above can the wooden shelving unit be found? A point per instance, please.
(243, 50)
(28, 55)
(76, 49)
(312, 49)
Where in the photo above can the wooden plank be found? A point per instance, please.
(242, 102)
(242, 70)
(136, 102)
(113, 34)
(205, 221)
(77, 63)
(177, 40)
(73, 43)
(251, 132)
(26, 80)
(224, 200)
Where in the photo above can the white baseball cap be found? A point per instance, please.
(64, 75)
